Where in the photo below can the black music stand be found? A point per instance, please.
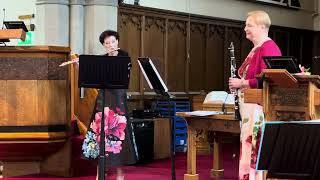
(156, 83)
(103, 72)
(15, 25)
(290, 150)
(282, 62)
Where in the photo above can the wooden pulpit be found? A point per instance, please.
(287, 97)
(35, 115)
(12, 34)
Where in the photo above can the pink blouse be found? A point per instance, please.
(254, 64)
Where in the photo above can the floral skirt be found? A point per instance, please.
(122, 149)
(252, 119)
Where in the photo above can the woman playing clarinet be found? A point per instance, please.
(256, 29)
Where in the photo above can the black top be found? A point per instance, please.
(121, 53)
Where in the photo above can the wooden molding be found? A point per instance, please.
(82, 127)
(253, 96)
(281, 77)
(217, 107)
(33, 136)
(229, 117)
(317, 97)
(35, 50)
(13, 34)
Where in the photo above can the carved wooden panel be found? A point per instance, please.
(154, 42)
(167, 37)
(198, 49)
(289, 96)
(287, 104)
(295, 46)
(290, 116)
(177, 57)
(282, 40)
(215, 58)
(307, 48)
(234, 34)
(203, 146)
(156, 22)
(245, 49)
(130, 40)
(316, 54)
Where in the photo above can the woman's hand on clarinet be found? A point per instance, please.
(235, 83)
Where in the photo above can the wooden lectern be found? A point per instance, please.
(221, 126)
(12, 34)
(287, 97)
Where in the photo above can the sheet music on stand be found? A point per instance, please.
(152, 76)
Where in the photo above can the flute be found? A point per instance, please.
(74, 59)
(233, 70)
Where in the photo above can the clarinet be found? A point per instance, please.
(233, 68)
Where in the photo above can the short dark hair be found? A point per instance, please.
(108, 33)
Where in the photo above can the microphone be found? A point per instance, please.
(224, 109)
(4, 16)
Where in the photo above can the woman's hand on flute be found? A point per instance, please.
(69, 62)
(112, 51)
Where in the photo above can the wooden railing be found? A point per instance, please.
(81, 108)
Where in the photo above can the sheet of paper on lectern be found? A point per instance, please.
(203, 113)
(217, 97)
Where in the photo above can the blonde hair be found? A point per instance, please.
(261, 18)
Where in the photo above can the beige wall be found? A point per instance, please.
(15, 8)
(236, 9)
(230, 9)
(306, 18)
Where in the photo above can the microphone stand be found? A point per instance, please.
(3, 41)
(4, 15)
(224, 109)
(167, 97)
(172, 152)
